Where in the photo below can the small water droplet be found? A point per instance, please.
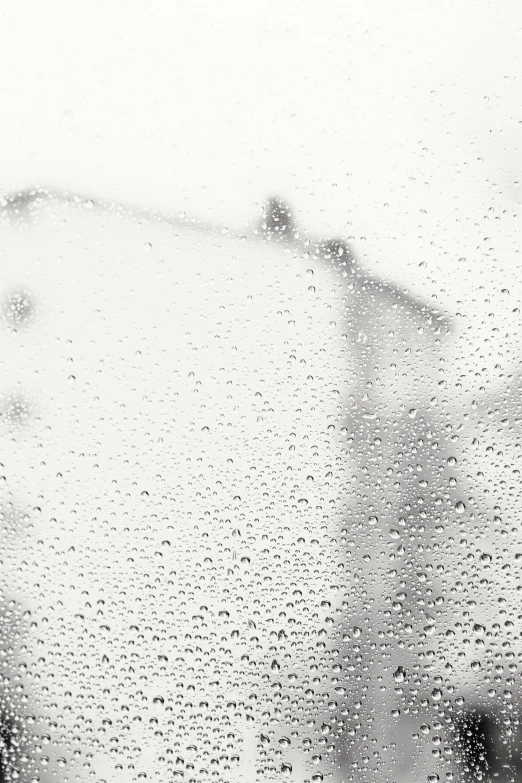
(399, 674)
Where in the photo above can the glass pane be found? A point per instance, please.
(259, 414)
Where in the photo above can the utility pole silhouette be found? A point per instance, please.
(380, 319)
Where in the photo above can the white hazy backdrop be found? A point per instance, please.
(394, 123)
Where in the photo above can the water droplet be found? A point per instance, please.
(399, 674)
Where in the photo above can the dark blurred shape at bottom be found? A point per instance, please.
(5, 749)
(482, 749)
(475, 739)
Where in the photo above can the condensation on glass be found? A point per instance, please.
(236, 543)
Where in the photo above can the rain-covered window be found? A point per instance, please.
(260, 417)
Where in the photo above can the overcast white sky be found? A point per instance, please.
(218, 103)
(396, 122)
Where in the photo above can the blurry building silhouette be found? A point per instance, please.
(372, 504)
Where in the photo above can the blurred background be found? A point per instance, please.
(394, 126)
